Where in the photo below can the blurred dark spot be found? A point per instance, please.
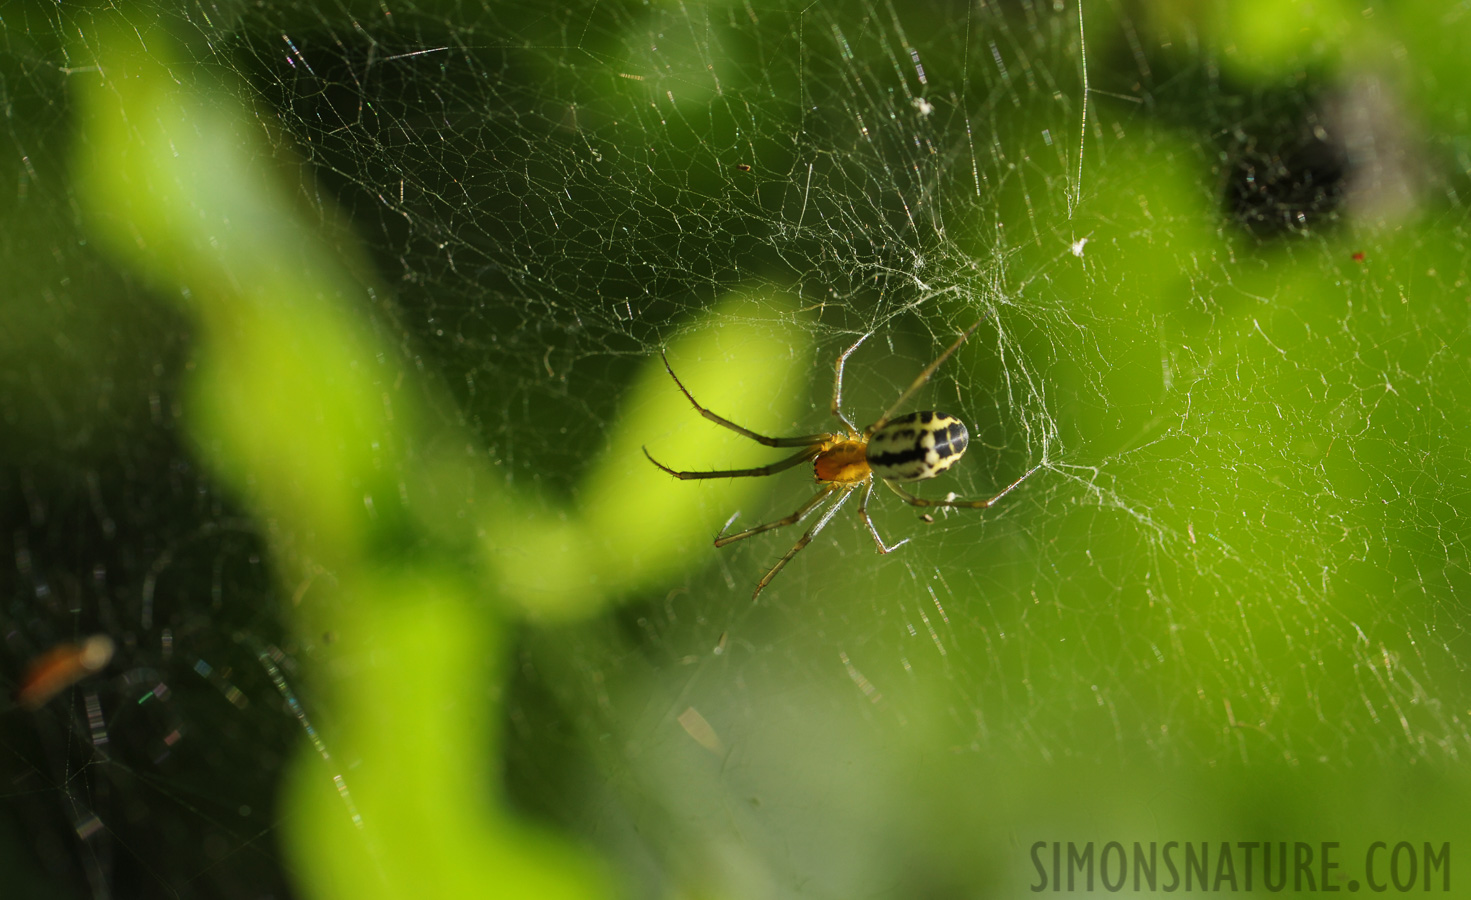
(1283, 183)
(1351, 154)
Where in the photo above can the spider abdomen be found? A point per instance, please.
(917, 446)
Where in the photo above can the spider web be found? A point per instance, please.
(1223, 310)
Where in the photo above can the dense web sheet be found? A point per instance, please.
(1225, 317)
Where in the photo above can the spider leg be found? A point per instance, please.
(802, 441)
(801, 513)
(863, 514)
(796, 460)
(802, 542)
(838, 384)
(923, 377)
(961, 504)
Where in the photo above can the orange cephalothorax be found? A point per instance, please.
(845, 462)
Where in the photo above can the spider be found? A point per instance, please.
(912, 447)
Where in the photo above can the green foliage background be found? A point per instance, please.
(1227, 608)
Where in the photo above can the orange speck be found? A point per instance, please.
(61, 667)
(1359, 256)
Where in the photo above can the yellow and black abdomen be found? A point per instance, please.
(917, 446)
